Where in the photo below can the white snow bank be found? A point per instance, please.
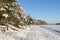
(12, 34)
(35, 32)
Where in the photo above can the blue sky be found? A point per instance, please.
(47, 10)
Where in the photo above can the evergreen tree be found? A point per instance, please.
(7, 0)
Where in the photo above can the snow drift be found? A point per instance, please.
(34, 32)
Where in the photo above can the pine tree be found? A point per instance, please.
(15, 15)
(7, 0)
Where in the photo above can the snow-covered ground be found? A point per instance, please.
(35, 32)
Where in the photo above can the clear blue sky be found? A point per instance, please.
(47, 10)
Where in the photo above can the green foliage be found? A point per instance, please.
(7, 0)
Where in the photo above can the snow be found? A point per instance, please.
(40, 33)
(5, 15)
(2, 9)
(34, 32)
(6, 6)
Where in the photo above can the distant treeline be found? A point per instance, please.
(57, 23)
(41, 22)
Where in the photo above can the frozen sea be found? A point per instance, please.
(34, 32)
